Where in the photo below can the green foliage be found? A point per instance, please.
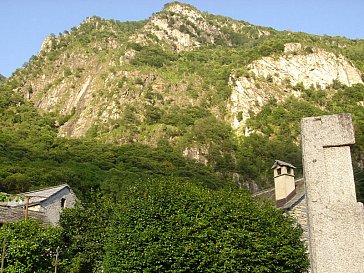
(67, 72)
(257, 152)
(153, 56)
(8, 197)
(182, 117)
(30, 247)
(153, 114)
(355, 51)
(84, 234)
(64, 119)
(86, 165)
(283, 120)
(217, 137)
(277, 137)
(32, 156)
(359, 183)
(170, 226)
(166, 6)
(277, 128)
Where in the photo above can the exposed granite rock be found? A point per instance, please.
(172, 30)
(273, 77)
(248, 96)
(318, 68)
(198, 153)
(47, 44)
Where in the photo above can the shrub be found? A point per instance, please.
(174, 226)
(30, 247)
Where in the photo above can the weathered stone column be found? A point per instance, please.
(336, 219)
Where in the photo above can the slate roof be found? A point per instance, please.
(37, 197)
(282, 163)
(299, 196)
(269, 194)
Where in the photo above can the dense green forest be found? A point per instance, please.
(160, 225)
(33, 157)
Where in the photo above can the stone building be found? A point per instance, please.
(45, 205)
(288, 194)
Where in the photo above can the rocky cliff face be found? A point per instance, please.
(179, 26)
(165, 78)
(182, 27)
(311, 66)
(187, 81)
(275, 77)
(85, 76)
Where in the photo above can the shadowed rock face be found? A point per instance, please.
(2, 78)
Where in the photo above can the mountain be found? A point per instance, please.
(2, 78)
(211, 87)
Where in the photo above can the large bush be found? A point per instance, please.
(172, 226)
(30, 247)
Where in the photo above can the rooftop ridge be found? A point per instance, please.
(282, 163)
(44, 189)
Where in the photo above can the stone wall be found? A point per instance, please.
(9, 215)
(52, 206)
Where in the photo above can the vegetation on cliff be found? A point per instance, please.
(32, 156)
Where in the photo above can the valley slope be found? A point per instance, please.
(219, 91)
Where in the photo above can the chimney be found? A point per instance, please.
(284, 183)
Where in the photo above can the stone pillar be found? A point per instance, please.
(336, 219)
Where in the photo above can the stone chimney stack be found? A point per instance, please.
(284, 183)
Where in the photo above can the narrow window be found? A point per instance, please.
(279, 171)
(63, 203)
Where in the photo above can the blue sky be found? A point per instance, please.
(24, 24)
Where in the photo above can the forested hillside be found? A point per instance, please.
(32, 156)
(195, 83)
(192, 81)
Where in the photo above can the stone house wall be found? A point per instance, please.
(52, 207)
(9, 215)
